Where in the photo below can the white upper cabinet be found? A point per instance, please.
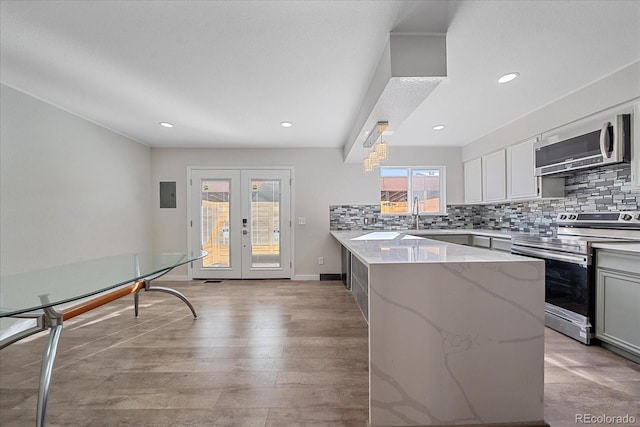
(494, 174)
(509, 175)
(473, 181)
(521, 181)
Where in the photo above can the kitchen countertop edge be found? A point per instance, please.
(370, 253)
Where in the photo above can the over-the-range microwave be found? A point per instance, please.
(588, 144)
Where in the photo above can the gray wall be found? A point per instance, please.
(321, 179)
(69, 189)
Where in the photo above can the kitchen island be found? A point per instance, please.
(456, 333)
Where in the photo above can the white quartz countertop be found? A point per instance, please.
(625, 247)
(407, 247)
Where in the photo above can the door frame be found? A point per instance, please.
(190, 214)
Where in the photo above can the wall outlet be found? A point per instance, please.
(302, 220)
(320, 260)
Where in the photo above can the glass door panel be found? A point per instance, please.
(265, 223)
(215, 212)
(215, 208)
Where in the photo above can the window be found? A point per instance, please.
(401, 189)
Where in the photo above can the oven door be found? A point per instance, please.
(569, 294)
(566, 279)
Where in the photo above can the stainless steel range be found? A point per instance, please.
(569, 270)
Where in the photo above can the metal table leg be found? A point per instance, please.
(148, 287)
(54, 319)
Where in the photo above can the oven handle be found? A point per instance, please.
(540, 253)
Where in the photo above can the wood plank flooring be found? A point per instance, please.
(261, 353)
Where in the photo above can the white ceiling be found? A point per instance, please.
(226, 73)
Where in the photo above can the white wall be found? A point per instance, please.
(617, 88)
(321, 179)
(69, 189)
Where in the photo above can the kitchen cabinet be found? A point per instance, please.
(498, 244)
(473, 181)
(346, 267)
(459, 239)
(494, 177)
(617, 301)
(521, 181)
(481, 242)
(360, 285)
(635, 146)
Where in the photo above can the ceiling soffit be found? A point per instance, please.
(411, 67)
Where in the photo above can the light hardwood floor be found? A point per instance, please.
(261, 353)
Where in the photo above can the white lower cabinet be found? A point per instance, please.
(618, 301)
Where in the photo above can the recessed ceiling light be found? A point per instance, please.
(438, 127)
(508, 77)
(286, 124)
(166, 125)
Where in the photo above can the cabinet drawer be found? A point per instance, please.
(501, 245)
(481, 241)
(621, 261)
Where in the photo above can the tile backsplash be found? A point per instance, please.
(602, 189)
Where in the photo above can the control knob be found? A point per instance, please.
(627, 217)
(563, 216)
(573, 216)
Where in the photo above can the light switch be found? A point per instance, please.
(302, 220)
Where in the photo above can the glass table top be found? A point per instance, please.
(34, 290)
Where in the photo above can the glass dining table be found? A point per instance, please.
(51, 296)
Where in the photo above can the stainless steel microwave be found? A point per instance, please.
(588, 144)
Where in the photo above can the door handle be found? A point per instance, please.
(605, 141)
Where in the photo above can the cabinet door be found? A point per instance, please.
(473, 181)
(617, 314)
(494, 177)
(635, 146)
(521, 182)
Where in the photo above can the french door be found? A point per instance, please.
(242, 218)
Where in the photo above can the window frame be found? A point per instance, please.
(410, 169)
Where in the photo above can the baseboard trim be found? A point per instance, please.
(302, 277)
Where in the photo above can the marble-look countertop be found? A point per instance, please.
(622, 246)
(408, 247)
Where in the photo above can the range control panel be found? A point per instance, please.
(624, 217)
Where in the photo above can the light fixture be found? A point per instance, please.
(379, 149)
(286, 124)
(438, 127)
(166, 125)
(375, 134)
(368, 167)
(508, 77)
(382, 150)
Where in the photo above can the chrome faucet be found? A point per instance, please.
(416, 210)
